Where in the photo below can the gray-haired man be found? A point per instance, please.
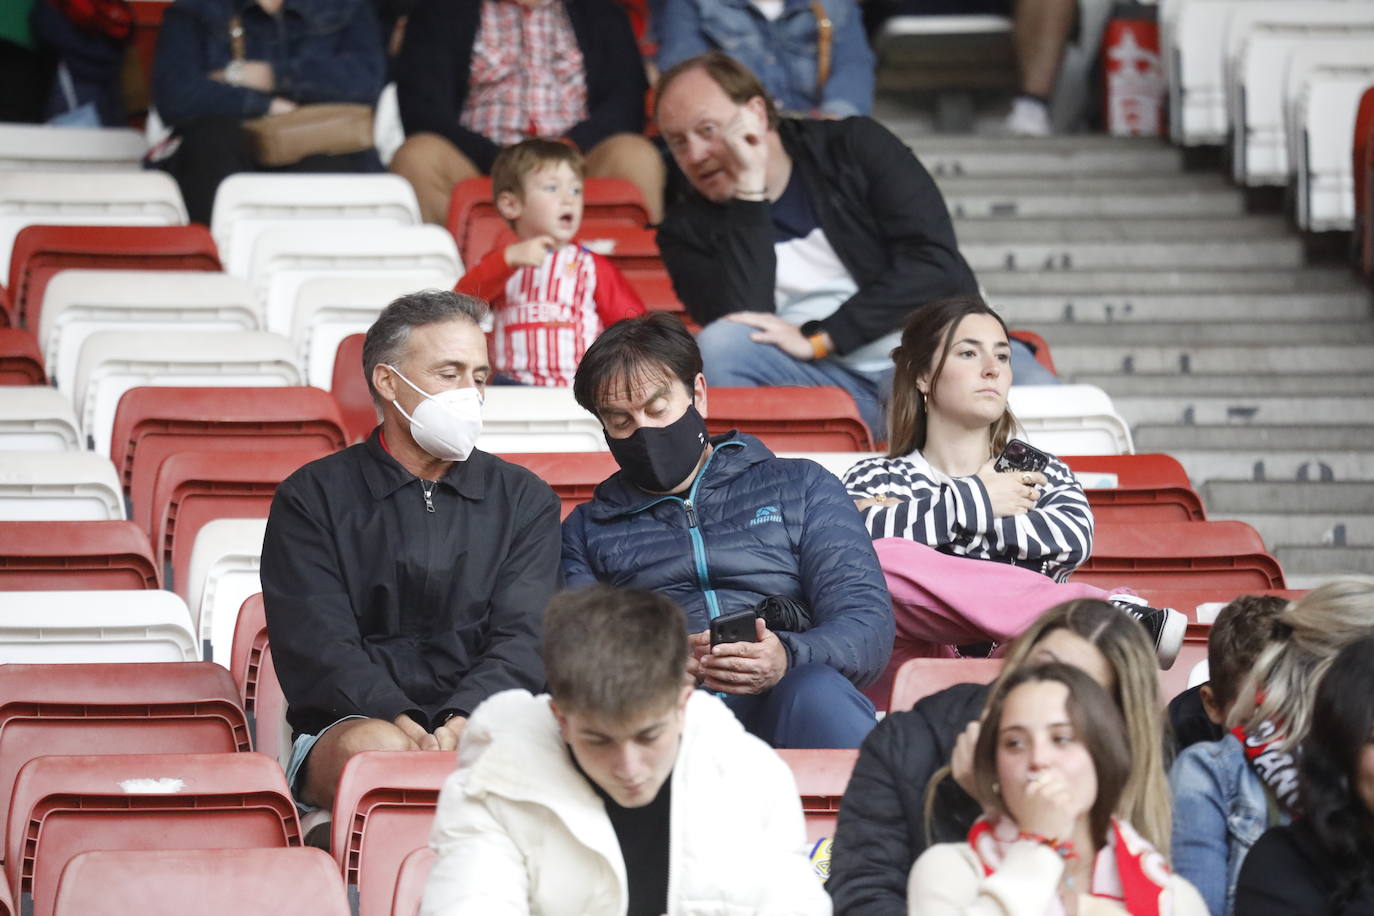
(404, 578)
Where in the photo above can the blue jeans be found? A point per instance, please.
(812, 706)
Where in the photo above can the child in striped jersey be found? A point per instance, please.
(936, 506)
(550, 298)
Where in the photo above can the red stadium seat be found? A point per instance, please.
(62, 556)
(191, 488)
(350, 389)
(115, 708)
(820, 419)
(573, 475)
(1175, 680)
(918, 678)
(410, 882)
(256, 678)
(656, 291)
(602, 199)
(1363, 159)
(1214, 555)
(152, 423)
(41, 251)
(68, 805)
(1187, 601)
(1150, 488)
(382, 811)
(207, 882)
(21, 362)
(822, 776)
(1038, 345)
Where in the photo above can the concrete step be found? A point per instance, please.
(1315, 463)
(991, 229)
(1215, 360)
(1236, 386)
(985, 159)
(1087, 308)
(1105, 186)
(1338, 497)
(1131, 283)
(1202, 334)
(1315, 529)
(1151, 196)
(926, 143)
(1222, 410)
(1068, 255)
(1305, 561)
(1256, 438)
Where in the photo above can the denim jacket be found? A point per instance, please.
(782, 53)
(1220, 809)
(320, 51)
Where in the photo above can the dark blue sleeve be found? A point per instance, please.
(346, 67)
(182, 88)
(842, 583)
(577, 570)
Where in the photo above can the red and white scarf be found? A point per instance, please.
(1277, 769)
(1127, 870)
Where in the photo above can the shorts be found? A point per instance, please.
(300, 750)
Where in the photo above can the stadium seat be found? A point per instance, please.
(224, 566)
(40, 251)
(43, 147)
(152, 423)
(632, 249)
(21, 362)
(284, 258)
(350, 390)
(1147, 488)
(59, 486)
(1038, 346)
(602, 198)
(115, 708)
(1175, 680)
(410, 882)
(1361, 163)
(208, 882)
(822, 419)
(99, 556)
(249, 203)
(80, 302)
(67, 805)
(1321, 123)
(1202, 604)
(37, 418)
(519, 418)
(1070, 419)
(63, 627)
(837, 463)
(112, 362)
(259, 689)
(1218, 554)
(382, 811)
(192, 488)
(918, 678)
(573, 475)
(822, 775)
(137, 198)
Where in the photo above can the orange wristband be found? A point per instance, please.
(818, 347)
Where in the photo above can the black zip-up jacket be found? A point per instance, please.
(433, 68)
(377, 606)
(881, 827)
(878, 207)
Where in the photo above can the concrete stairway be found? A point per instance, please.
(1216, 339)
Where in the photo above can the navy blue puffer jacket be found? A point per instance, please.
(751, 525)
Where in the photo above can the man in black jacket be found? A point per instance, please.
(405, 578)
(816, 239)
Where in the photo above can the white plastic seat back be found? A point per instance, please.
(1256, 94)
(96, 626)
(78, 303)
(329, 308)
(112, 362)
(40, 147)
(224, 572)
(1197, 69)
(516, 418)
(37, 418)
(250, 203)
(148, 198)
(59, 487)
(285, 258)
(1322, 143)
(1200, 673)
(1070, 420)
(837, 463)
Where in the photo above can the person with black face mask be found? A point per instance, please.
(721, 525)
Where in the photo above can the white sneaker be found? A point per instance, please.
(1164, 625)
(1028, 118)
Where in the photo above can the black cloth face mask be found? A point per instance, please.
(658, 458)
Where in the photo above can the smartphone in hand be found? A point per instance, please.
(1021, 456)
(735, 627)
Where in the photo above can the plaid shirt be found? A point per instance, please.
(528, 78)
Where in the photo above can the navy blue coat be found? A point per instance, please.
(763, 526)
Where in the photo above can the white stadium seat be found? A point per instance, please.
(224, 572)
(59, 486)
(40, 147)
(1070, 420)
(37, 418)
(148, 625)
(517, 418)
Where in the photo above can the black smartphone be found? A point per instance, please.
(1021, 456)
(735, 627)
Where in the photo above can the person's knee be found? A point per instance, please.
(726, 351)
(815, 705)
(373, 735)
(420, 154)
(619, 154)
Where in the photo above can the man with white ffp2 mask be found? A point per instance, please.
(404, 577)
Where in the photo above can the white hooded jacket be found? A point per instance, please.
(520, 831)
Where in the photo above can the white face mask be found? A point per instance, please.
(446, 424)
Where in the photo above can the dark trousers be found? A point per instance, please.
(212, 149)
(812, 706)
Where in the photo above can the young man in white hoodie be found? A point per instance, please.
(624, 792)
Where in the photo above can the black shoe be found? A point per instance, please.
(1165, 625)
